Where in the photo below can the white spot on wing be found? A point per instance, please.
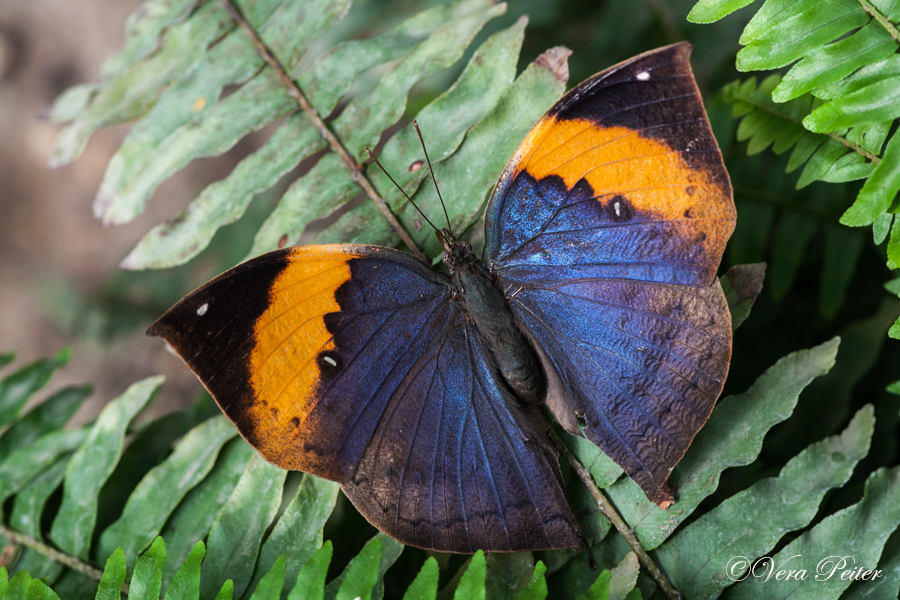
(202, 310)
(330, 361)
(643, 76)
(617, 206)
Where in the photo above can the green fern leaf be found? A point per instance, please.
(424, 586)
(143, 30)
(471, 584)
(878, 192)
(361, 574)
(389, 550)
(133, 90)
(196, 514)
(750, 523)
(859, 531)
(113, 579)
(227, 591)
(92, 464)
(237, 532)
(310, 582)
(888, 585)
(710, 11)
(146, 582)
(38, 590)
(162, 489)
(186, 583)
(270, 585)
(623, 577)
(298, 533)
(51, 414)
(16, 389)
(21, 466)
(742, 285)
(26, 518)
(600, 588)
(506, 574)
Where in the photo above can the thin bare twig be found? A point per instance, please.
(51, 553)
(294, 91)
(621, 526)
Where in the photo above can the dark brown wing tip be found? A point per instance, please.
(664, 496)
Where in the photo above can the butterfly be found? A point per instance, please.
(425, 393)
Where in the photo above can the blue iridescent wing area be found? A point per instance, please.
(449, 466)
(353, 363)
(606, 230)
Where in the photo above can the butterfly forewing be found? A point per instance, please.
(606, 229)
(354, 363)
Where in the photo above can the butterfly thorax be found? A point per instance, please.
(514, 361)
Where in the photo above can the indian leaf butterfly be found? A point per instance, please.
(424, 394)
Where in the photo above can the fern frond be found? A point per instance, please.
(843, 83)
(750, 523)
(830, 157)
(833, 157)
(253, 551)
(178, 94)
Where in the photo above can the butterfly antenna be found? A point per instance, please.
(433, 178)
(401, 190)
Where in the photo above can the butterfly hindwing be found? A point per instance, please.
(642, 366)
(606, 230)
(355, 364)
(456, 473)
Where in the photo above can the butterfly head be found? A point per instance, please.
(455, 251)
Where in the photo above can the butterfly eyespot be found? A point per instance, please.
(202, 309)
(619, 209)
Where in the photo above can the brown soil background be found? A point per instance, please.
(47, 229)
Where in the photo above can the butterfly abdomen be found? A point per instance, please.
(514, 360)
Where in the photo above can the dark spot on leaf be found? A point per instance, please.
(416, 165)
(282, 242)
